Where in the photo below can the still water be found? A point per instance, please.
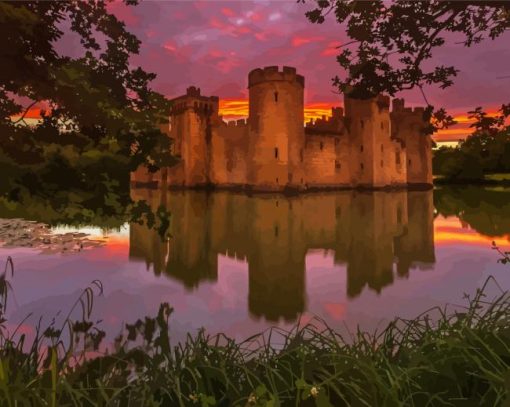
(239, 264)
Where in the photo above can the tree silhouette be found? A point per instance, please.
(99, 118)
(391, 42)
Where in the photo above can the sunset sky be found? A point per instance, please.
(214, 44)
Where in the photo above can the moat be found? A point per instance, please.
(239, 264)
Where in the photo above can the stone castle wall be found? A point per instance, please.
(276, 121)
(367, 146)
(229, 155)
(408, 125)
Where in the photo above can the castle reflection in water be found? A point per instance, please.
(377, 235)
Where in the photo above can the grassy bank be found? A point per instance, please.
(488, 179)
(441, 358)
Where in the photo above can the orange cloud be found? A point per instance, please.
(461, 130)
(317, 110)
(238, 108)
(34, 113)
(233, 108)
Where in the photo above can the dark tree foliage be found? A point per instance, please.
(485, 151)
(100, 119)
(391, 41)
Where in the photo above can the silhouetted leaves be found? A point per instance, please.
(100, 121)
(392, 41)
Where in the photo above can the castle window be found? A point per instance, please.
(397, 158)
(362, 123)
(338, 166)
(409, 162)
(361, 148)
(276, 152)
(382, 163)
(276, 96)
(382, 126)
(361, 166)
(321, 145)
(277, 180)
(301, 180)
(276, 231)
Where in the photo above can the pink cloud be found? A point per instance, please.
(228, 12)
(332, 49)
(123, 12)
(297, 41)
(223, 61)
(253, 16)
(178, 15)
(170, 46)
(150, 33)
(229, 29)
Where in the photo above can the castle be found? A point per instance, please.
(365, 146)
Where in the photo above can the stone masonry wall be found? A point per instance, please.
(407, 125)
(229, 153)
(273, 150)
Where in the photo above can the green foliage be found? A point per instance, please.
(395, 39)
(485, 151)
(459, 357)
(100, 119)
(392, 42)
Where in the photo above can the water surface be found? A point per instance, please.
(238, 264)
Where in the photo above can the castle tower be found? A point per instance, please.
(407, 125)
(190, 129)
(276, 120)
(368, 122)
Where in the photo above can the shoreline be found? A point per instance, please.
(249, 190)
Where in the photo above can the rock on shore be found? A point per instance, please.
(26, 233)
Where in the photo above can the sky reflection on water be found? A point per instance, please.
(238, 264)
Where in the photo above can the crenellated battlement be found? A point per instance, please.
(272, 73)
(193, 100)
(236, 123)
(399, 108)
(366, 107)
(331, 125)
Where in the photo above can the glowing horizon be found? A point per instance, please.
(234, 109)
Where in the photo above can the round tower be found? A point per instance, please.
(276, 119)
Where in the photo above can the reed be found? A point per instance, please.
(443, 357)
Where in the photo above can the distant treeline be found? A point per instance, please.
(486, 151)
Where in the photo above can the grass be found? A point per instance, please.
(498, 177)
(488, 179)
(457, 357)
